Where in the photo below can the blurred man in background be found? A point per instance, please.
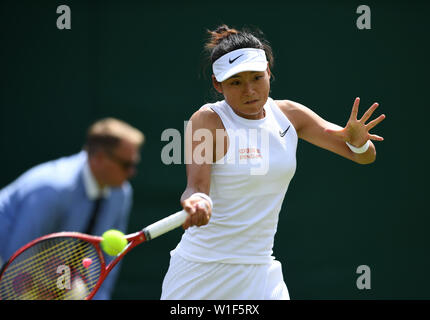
(86, 192)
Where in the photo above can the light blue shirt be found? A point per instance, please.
(59, 196)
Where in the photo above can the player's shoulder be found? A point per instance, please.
(289, 106)
(206, 117)
(294, 111)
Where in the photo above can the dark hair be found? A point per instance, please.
(224, 39)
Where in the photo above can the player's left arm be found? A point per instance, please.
(324, 134)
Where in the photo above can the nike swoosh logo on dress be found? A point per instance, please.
(283, 133)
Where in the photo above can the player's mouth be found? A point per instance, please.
(251, 101)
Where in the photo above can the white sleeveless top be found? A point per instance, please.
(247, 188)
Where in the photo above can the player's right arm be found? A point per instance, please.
(200, 146)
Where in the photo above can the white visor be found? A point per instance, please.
(240, 60)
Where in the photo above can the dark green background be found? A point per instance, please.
(142, 62)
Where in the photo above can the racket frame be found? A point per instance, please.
(134, 239)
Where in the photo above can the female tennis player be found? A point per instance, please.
(230, 255)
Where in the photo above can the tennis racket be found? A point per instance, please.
(68, 265)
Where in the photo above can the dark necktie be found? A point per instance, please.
(93, 217)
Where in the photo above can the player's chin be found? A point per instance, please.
(252, 108)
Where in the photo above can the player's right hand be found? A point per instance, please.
(199, 212)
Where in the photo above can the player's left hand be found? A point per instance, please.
(356, 132)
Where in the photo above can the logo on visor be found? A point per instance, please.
(231, 61)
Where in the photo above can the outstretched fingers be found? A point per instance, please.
(369, 113)
(375, 137)
(354, 111)
(375, 122)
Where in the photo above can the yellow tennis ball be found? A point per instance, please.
(113, 242)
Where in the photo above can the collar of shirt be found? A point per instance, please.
(91, 187)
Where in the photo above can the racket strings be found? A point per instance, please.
(52, 269)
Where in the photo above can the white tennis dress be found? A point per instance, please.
(231, 257)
